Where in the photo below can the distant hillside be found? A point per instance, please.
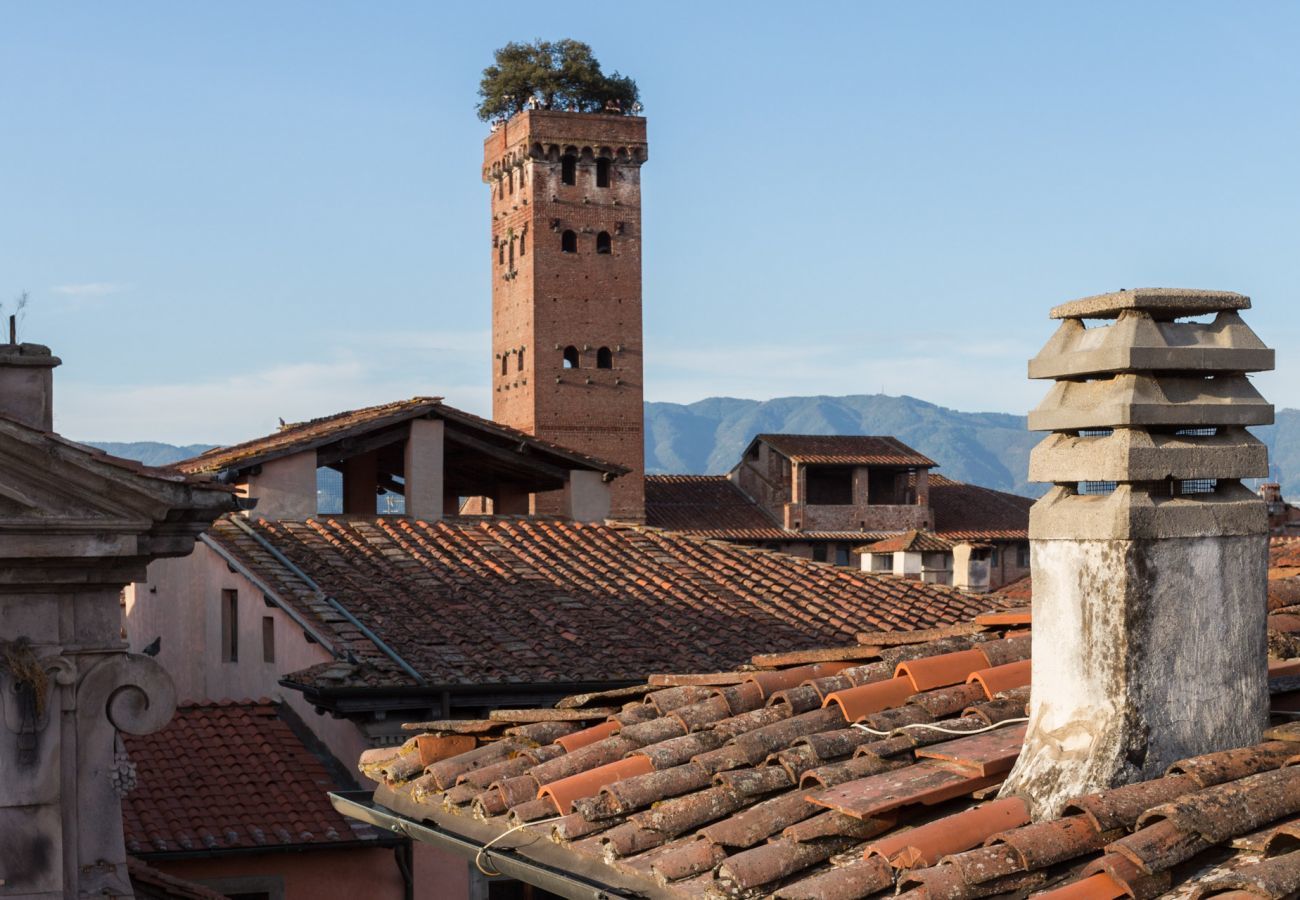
(151, 453)
(988, 449)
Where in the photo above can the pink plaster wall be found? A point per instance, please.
(181, 602)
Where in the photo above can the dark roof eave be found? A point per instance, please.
(468, 840)
(383, 839)
(315, 693)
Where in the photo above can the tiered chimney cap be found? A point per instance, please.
(1148, 555)
(1156, 407)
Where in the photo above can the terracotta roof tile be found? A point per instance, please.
(300, 436)
(909, 542)
(230, 775)
(497, 601)
(967, 512)
(786, 800)
(844, 449)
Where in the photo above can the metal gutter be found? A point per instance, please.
(338, 607)
(234, 563)
(361, 805)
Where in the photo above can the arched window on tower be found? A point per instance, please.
(523, 242)
(602, 172)
(569, 242)
(512, 253)
(604, 358)
(503, 363)
(570, 357)
(521, 359)
(602, 242)
(569, 168)
(501, 187)
(501, 253)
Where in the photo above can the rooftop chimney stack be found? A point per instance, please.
(1149, 557)
(27, 384)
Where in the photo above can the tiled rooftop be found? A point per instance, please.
(966, 512)
(230, 775)
(713, 506)
(757, 784)
(299, 436)
(511, 601)
(845, 449)
(911, 541)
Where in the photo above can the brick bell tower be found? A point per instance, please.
(566, 288)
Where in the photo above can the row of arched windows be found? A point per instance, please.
(569, 242)
(569, 170)
(573, 359)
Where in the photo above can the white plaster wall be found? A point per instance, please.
(181, 602)
(1145, 652)
(907, 564)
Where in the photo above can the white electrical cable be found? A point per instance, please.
(938, 728)
(478, 857)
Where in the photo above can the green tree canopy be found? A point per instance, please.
(551, 75)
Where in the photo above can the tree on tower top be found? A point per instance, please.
(560, 75)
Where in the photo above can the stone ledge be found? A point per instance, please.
(1134, 455)
(1137, 342)
(1164, 303)
(1132, 515)
(1137, 400)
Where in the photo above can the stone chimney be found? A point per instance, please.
(1149, 557)
(27, 384)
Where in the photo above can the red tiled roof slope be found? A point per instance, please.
(224, 776)
(845, 449)
(911, 541)
(765, 787)
(300, 436)
(964, 512)
(502, 600)
(707, 506)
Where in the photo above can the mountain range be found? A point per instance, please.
(707, 437)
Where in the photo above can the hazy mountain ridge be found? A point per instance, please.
(151, 453)
(708, 436)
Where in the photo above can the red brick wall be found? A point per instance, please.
(548, 299)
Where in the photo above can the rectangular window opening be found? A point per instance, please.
(830, 485)
(268, 639)
(229, 625)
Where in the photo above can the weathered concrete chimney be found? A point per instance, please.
(1149, 557)
(27, 384)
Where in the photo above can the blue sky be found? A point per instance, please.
(227, 213)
